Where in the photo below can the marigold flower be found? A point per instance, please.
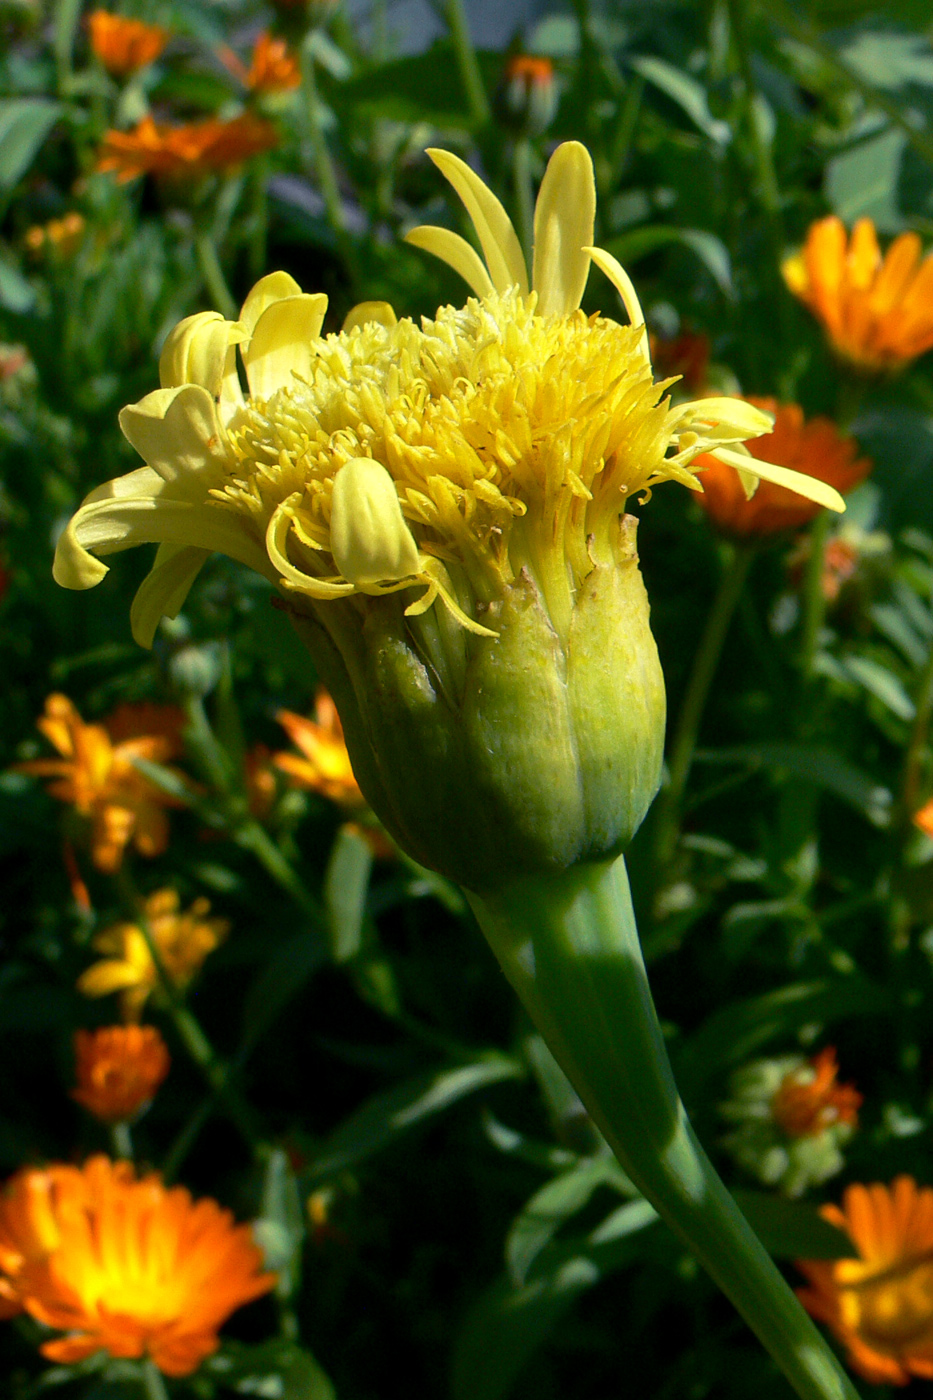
(528, 95)
(686, 356)
(880, 1305)
(119, 1069)
(125, 45)
(791, 1118)
(877, 312)
(98, 777)
(814, 446)
(185, 152)
(61, 236)
(478, 464)
(124, 1265)
(273, 67)
(324, 765)
(183, 941)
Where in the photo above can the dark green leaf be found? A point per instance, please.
(25, 122)
(816, 764)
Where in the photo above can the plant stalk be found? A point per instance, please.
(122, 1140)
(470, 75)
(153, 1385)
(814, 599)
(569, 945)
(212, 272)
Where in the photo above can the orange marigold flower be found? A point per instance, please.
(125, 45)
(815, 446)
(261, 785)
(924, 818)
(809, 1101)
(183, 941)
(685, 356)
(877, 312)
(185, 152)
(98, 777)
(60, 236)
(880, 1305)
(273, 67)
(124, 1265)
(324, 764)
(119, 1069)
(528, 94)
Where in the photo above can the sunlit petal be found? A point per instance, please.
(497, 237)
(283, 344)
(808, 486)
(565, 215)
(164, 589)
(623, 284)
(456, 252)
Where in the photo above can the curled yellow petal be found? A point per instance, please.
(277, 548)
(275, 286)
(565, 215)
(369, 538)
(365, 313)
(456, 253)
(200, 351)
(164, 589)
(178, 433)
(623, 284)
(283, 344)
(808, 486)
(497, 237)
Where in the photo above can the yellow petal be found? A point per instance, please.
(367, 312)
(107, 976)
(819, 491)
(271, 288)
(369, 538)
(164, 589)
(283, 343)
(565, 215)
(456, 253)
(728, 416)
(199, 351)
(623, 284)
(178, 433)
(290, 576)
(497, 237)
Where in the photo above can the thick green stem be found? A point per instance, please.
(814, 598)
(214, 279)
(153, 1384)
(569, 946)
(524, 197)
(705, 663)
(467, 63)
(122, 1140)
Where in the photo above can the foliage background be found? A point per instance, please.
(464, 1235)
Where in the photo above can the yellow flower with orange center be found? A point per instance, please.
(185, 152)
(118, 1070)
(324, 764)
(880, 1305)
(96, 774)
(876, 311)
(182, 940)
(125, 1266)
(125, 45)
(814, 446)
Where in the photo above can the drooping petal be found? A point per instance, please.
(367, 312)
(623, 284)
(808, 486)
(290, 576)
(565, 216)
(283, 343)
(178, 433)
(443, 243)
(273, 287)
(730, 417)
(497, 237)
(369, 537)
(164, 589)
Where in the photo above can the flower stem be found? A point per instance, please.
(470, 75)
(259, 224)
(705, 662)
(122, 1140)
(814, 599)
(153, 1385)
(212, 272)
(916, 747)
(569, 946)
(524, 196)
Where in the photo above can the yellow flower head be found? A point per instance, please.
(123, 1265)
(877, 312)
(183, 941)
(478, 465)
(118, 1070)
(880, 1305)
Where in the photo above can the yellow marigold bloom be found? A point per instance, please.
(815, 446)
(324, 765)
(185, 152)
(96, 774)
(119, 1069)
(60, 236)
(183, 941)
(125, 45)
(877, 312)
(479, 465)
(125, 1266)
(880, 1305)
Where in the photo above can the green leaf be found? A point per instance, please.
(708, 248)
(793, 1229)
(25, 122)
(280, 1230)
(549, 1208)
(890, 60)
(383, 1118)
(862, 182)
(689, 95)
(282, 978)
(346, 883)
(276, 1368)
(817, 764)
(881, 683)
(16, 294)
(422, 87)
